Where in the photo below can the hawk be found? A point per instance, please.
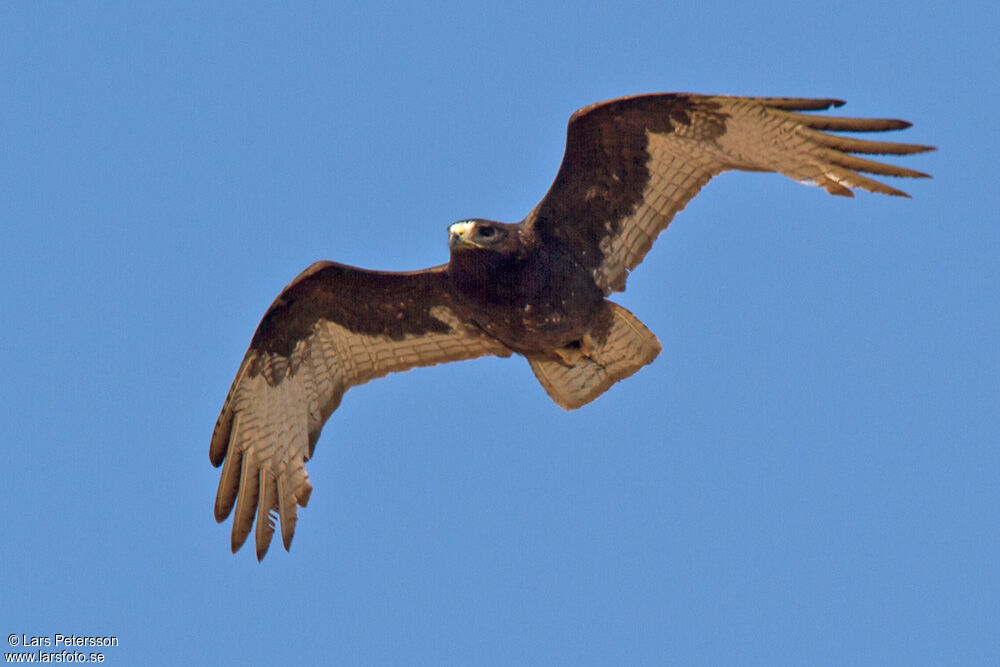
(537, 288)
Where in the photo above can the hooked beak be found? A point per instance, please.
(460, 234)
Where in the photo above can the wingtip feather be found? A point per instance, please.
(287, 513)
(267, 503)
(802, 103)
(229, 481)
(220, 437)
(222, 434)
(246, 503)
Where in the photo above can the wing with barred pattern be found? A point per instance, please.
(632, 163)
(332, 328)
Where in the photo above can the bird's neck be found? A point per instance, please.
(487, 277)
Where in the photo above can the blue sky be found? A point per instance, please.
(808, 474)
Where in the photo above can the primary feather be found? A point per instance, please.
(537, 288)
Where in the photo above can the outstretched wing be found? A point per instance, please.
(632, 163)
(333, 328)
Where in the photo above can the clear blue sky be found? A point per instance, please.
(808, 474)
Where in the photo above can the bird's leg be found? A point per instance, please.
(588, 346)
(568, 356)
(573, 354)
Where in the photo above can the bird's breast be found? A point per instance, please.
(531, 306)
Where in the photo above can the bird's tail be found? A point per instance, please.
(582, 375)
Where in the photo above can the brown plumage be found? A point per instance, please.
(537, 288)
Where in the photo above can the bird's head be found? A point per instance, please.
(483, 235)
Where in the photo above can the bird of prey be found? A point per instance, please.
(537, 288)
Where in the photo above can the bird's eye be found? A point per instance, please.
(487, 232)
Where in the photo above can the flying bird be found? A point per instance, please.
(537, 288)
